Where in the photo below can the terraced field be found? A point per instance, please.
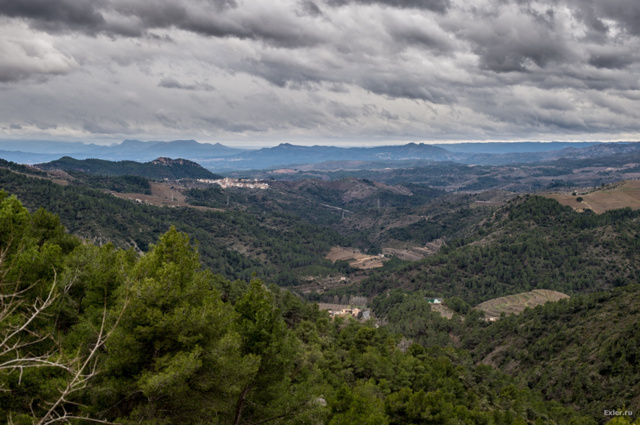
(515, 304)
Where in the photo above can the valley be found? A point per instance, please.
(508, 249)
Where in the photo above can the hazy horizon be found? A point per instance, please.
(15, 144)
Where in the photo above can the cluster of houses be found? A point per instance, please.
(229, 182)
(355, 312)
(340, 310)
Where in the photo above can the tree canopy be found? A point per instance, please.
(100, 334)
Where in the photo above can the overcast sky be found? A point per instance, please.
(250, 72)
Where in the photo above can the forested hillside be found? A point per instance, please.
(282, 233)
(235, 243)
(531, 243)
(373, 215)
(583, 352)
(121, 184)
(160, 168)
(9, 165)
(113, 336)
(223, 346)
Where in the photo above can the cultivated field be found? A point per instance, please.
(357, 259)
(162, 194)
(625, 194)
(515, 304)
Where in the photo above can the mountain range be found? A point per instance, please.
(221, 158)
(33, 151)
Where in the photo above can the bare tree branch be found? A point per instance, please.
(21, 349)
(84, 373)
(12, 342)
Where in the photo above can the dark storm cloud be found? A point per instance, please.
(506, 54)
(587, 14)
(512, 42)
(56, 15)
(310, 8)
(420, 34)
(554, 104)
(625, 12)
(287, 71)
(610, 60)
(13, 74)
(172, 83)
(530, 114)
(417, 37)
(439, 6)
(135, 18)
(408, 87)
(381, 78)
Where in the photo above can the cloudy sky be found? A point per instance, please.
(250, 72)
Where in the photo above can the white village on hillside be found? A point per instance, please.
(229, 182)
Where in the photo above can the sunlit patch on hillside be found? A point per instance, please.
(619, 195)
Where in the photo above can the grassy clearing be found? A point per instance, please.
(626, 194)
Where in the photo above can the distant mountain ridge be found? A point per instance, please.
(159, 168)
(221, 158)
(176, 148)
(591, 151)
(286, 154)
(30, 152)
(511, 147)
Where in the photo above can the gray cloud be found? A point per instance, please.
(513, 42)
(320, 69)
(309, 7)
(94, 127)
(439, 6)
(420, 33)
(625, 13)
(30, 58)
(57, 15)
(610, 59)
(230, 126)
(136, 18)
(172, 83)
